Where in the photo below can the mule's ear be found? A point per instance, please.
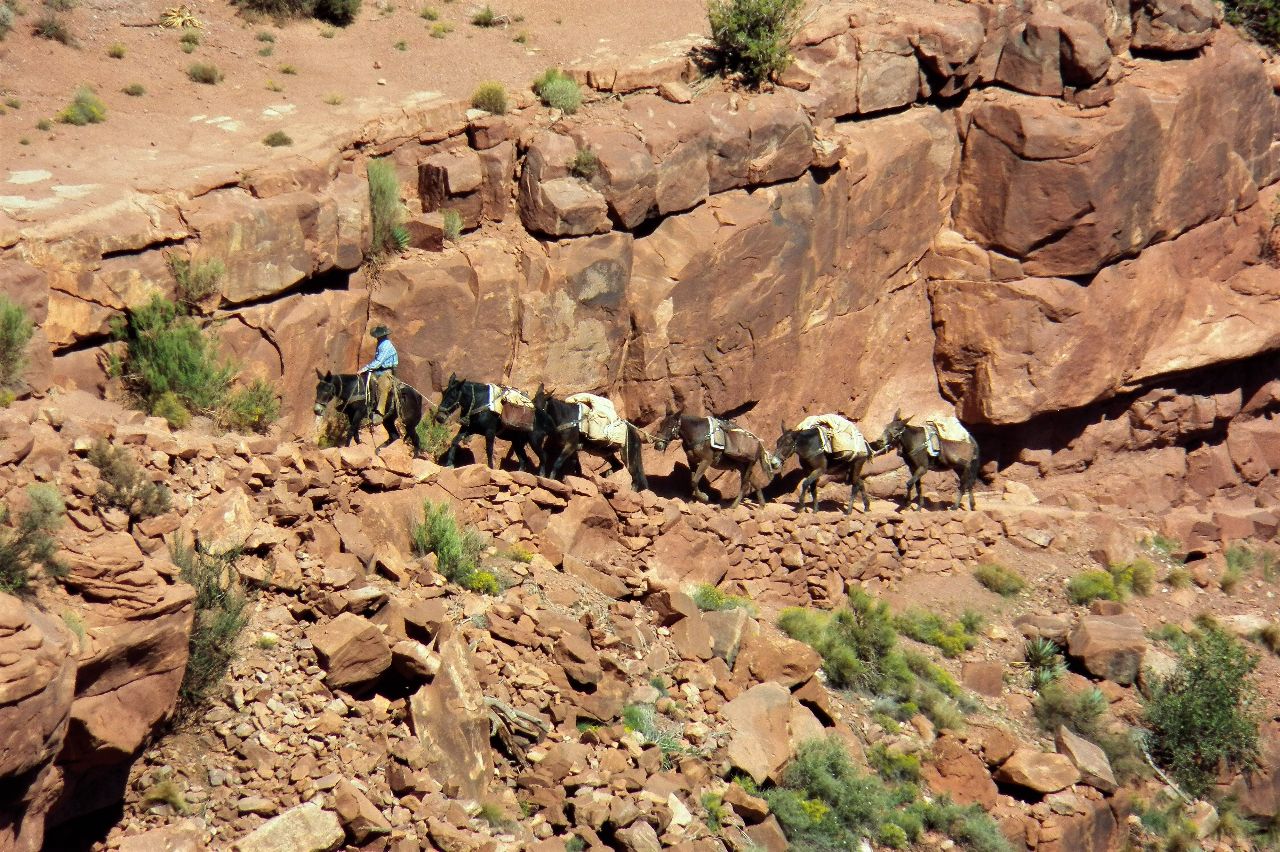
(453, 377)
(782, 425)
(897, 414)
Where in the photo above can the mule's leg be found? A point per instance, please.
(699, 471)
(913, 482)
(744, 486)
(453, 448)
(393, 434)
(809, 486)
(489, 436)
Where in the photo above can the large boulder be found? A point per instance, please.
(959, 773)
(1038, 771)
(1175, 26)
(1095, 768)
(1109, 646)
(305, 828)
(352, 651)
(760, 731)
(450, 719)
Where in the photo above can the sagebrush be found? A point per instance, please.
(457, 548)
(167, 351)
(195, 279)
(558, 91)
(16, 330)
(752, 37)
(221, 613)
(27, 544)
(385, 208)
(85, 108)
(124, 484)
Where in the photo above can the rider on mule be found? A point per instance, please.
(382, 369)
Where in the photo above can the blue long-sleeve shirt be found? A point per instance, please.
(385, 358)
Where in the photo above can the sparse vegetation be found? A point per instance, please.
(433, 437)
(711, 599)
(385, 207)
(401, 45)
(1178, 578)
(85, 108)
(440, 30)
(328, 32)
(752, 36)
(585, 164)
(250, 408)
(44, 124)
(289, 70)
(221, 614)
(716, 810)
(53, 28)
(16, 329)
(1163, 545)
(26, 541)
(429, 13)
(825, 803)
(1243, 560)
(1269, 637)
(265, 36)
(333, 99)
(6, 20)
(1259, 18)
(166, 792)
(558, 91)
(116, 51)
(1044, 661)
(195, 279)
(266, 51)
(273, 86)
(203, 72)
(1115, 584)
(486, 17)
(277, 139)
(190, 37)
(952, 638)
(125, 486)
(858, 646)
(490, 96)
(457, 549)
(12, 102)
(134, 90)
(1203, 717)
(340, 12)
(999, 579)
(452, 225)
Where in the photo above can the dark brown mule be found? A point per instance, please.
(742, 452)
(806, 446)
(912, 444)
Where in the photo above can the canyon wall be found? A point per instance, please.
(1033, 215)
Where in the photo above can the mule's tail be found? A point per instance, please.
(633, 458)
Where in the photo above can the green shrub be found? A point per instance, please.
(429, 13)
(752, 36)
(166, 792)
(717, 811)
(221, 614)
(265, 36)
(710, 599)
(585, 164)
(85, 108)
(457, 550)
(169, 406)
(1231, 577)
(250, 408)
(277, 139)
(1138, 577)
(340, 12)
(125, 485)
(1044, 660)
(1259, 18)
(384, 206)
(195, 279)
(1079, 710)
(167, 351)
(203, 72)
(452, 225)
(999, 579)
(486, 17)
(952, 638)
(53, 28)
(44, 124)
(1178, 578)
(1269, 637)
(1163, 545)
(441, 29)
(134, 90)
(1091, 586)
(558, 91)
(288, 69)
(490, 96)
(191, 37)
(116, 51)
(16, 329)
(6, 20)
(27, 543)
(188, 47)
(1204, 714)
(894, 767)
(433, 437)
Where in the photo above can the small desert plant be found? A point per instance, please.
(44, 124)
(203, 72)
(26, 541)
(277, 139)
(521, 37)
(952, 638)
(1079, 710)
(134, 90)
(12, 102)
(440, 30)
(289, 70)
(1163, 545)
(433, 437)
(1044, 660)
(384, 204)
(166, 792)
(1259, 18)
(16, 329)
(401, 45)
(265, 36)
(1203, 716)
(710, 599)
(6, 20)
(490, 96)
(429, 13)
(116, 51)
(892, 766)
(340, 12)
(486, 17)
(125, 485)
(168, 352)
(558, 91)
(1138, 576)
(585, 164)
(457, 549)
(1092, 585)
(221, 613)
(191, 37)
(170, 406)
(452, 225)
(1269, 637)
(85, 108)
(492, 814)
(1231, 577)
(195, 279)
(999, 579)
(752, 36)
(251, 408)
(1178, 578)
(53, 28)
(716, 810)
(333, 99)
(273, 86)
(60, 5)
(266, 51)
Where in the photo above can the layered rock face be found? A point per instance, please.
(999, 209)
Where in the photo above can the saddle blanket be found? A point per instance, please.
(839, 435)
(731, 438)
(939, 428)
(598, 420)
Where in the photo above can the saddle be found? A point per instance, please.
(513, 407)
(840, 437)
(598, 419)
(944, 432)
(731, 438)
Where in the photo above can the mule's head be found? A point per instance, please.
(326, 391)
(786, 446)
(450, 400)
(667, 431)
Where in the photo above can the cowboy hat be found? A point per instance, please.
(380, 331)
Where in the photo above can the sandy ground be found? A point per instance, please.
(329, 78)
